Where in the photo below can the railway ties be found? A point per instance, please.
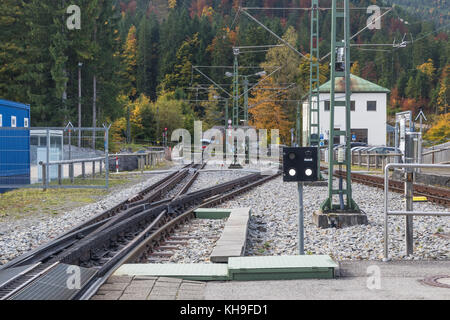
(99, 247)
(52, 252)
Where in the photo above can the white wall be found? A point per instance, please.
(374, 121)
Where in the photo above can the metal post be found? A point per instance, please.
(340, 68)
(226, 113)
(79, 104)
(83, 170)
(107, 154)
(298, 126)
(47, 178)
(246, 100)
(301, 231)
(236, 90)
(44, 175)
(128, 126)
(409, 207)
(60, 174)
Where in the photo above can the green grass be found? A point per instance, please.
(22, 203)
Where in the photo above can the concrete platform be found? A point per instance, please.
(197, 272)
(282, 267)
(398, 281)
(240, 268)
(149, 288)
(233, 240)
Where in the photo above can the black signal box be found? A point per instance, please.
(300, 164)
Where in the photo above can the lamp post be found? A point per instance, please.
(80, 64)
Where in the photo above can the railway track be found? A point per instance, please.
(151, 193)
(106, 241)
(436, 195)
(152, 196)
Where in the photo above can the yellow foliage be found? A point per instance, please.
(172, 4)
(356, 69)
(266, 114)
(440, 132)
(427, 68)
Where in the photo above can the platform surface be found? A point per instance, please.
(233, 240)
(282, 267)
(398, 280)
(199, 272)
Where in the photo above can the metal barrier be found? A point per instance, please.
(36, 157)
(409, 213)
(146, 160)
(441, 155)
(72, 174)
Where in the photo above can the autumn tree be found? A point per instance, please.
(440, 132)
(267, 114)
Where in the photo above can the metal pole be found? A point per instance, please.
(236, 91)
(386, 217)
(47, 178)
(226, 113)
(301, 231)
(409, 207)
(298, 123)
(246, 100)
(79, 104)
(106, 155)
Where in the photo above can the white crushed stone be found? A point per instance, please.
(197, 250)
(274, 225)
(20, 236)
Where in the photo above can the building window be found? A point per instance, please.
(25, 122)
(371, 106)
(13, 122)
(1, 120)
(353, 106)
(327, 105)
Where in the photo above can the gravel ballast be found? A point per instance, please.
(274, 225)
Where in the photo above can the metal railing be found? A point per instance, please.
(374, 160)
(101, 161)
(408, 213)
(441, 155)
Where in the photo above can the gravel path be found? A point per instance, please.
(211, 179)
(197, 250)
(274, 225)
(21, 236)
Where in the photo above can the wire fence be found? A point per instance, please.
(53, 158)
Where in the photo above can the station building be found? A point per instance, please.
(368, 111)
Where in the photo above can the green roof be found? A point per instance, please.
(357, 84)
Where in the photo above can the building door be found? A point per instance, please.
(361, 135)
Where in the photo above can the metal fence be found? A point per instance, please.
(408, 213)
(53, 158)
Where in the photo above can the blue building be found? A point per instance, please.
(14, 143)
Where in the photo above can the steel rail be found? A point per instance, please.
(46, 251)
(149, 236)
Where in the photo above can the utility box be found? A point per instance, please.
(300, 164)
(14, 144)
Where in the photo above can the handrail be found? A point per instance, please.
(388, 213)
